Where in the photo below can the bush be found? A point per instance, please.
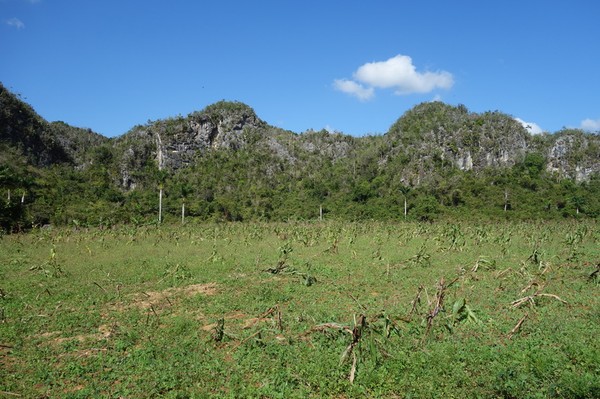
(427, 209)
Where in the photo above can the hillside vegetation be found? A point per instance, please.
(225, 163)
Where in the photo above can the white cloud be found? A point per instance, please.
(396, 73)
(532, 128)
(354, 89)
(15, 23)
(591, 125)
(399, 73)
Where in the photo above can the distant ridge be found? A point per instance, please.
(231, 164)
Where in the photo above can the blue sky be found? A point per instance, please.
(350, 66)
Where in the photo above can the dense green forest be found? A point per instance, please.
(225, 164)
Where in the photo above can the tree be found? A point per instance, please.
(405, 190)
(577, 201)
(184, 190)
(427, 209)
(161, 177)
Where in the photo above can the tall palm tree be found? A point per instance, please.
(405, 190)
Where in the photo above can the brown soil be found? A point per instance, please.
(153, 299)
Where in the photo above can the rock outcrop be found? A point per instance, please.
(573, 154)
(422, 143)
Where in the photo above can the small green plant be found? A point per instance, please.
(422, 257)
(284, 251)
(536, 256)
(282, 263)
(218, 332)
(215, 257)
(462, 312)
(51, 267)
(455, 237)
(481, 235)
(178, 272)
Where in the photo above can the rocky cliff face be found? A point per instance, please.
(332, 146)
(225, 125)
(174, 143)
(433, 136)
(468, 141)
(436, 134)
(424, 141)
(573, 154)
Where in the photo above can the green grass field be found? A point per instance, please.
(339, 310)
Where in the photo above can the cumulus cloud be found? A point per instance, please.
(590, 125)
(532, 128)
(15, 23)
(354, 89)
(397, 73)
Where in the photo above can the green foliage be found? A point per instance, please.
(534, 164)
(427, 209)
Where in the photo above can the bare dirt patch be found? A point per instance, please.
(6, 357)
(156, 300)
(152, 299)
(249, 323)
(104, 331)
(244, 322)
(228, 317)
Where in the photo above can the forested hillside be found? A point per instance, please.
(225, 163)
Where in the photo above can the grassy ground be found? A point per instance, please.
(302, 310)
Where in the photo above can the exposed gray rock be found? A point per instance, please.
(574, 155)
(333, 146)
(428, 137)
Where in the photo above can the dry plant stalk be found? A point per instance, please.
(279, 319)
(414, 303)
(357, 302)
(503, 272)
(328, 326)
(528, 286)
(517, 327)
(155, 314)
(274, 310)
(439, 303)
(101, 287)
(10, 394)
(357, 331)
(531, 298)
(353, 369)
(246, 340)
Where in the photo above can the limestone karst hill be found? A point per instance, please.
(227, 162)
